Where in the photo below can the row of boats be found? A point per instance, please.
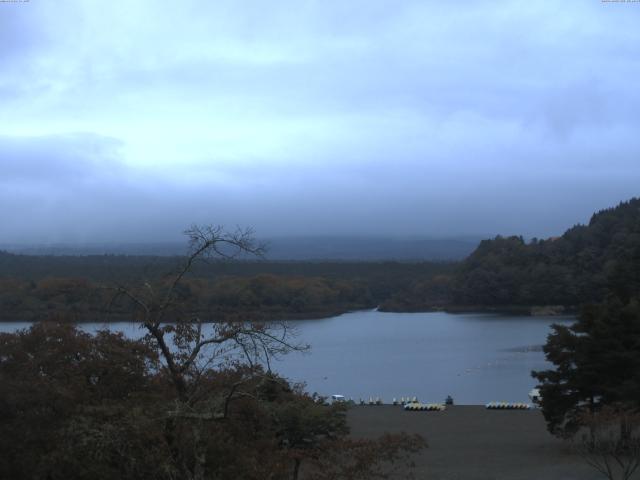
(412, 403)
(507, 406)
(429, 407)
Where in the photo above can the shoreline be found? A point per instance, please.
(521, 311)
(517, 310)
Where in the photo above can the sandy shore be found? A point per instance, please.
(472, 443)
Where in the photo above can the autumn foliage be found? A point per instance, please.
(81, 406)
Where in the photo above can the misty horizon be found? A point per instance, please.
(283, 248)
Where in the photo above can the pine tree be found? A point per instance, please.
(597, 363)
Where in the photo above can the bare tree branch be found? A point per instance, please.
(162, 310)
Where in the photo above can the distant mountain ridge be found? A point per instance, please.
(371, 248)
(315, 248)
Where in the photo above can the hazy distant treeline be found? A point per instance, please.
(306, 248)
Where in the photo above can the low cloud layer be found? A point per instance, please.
(128, 122)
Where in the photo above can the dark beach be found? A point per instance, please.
(472, 443)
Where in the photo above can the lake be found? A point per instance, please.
(475, 358)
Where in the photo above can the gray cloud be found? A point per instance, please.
(316, 117)
(58, 158)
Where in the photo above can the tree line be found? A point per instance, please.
(75, 288)
(258, 297)
(577, 267)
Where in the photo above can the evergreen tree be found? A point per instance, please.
(597, 363)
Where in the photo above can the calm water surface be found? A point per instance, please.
(476, 358)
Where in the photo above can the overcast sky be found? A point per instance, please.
(130, 120)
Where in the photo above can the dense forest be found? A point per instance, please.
(580, 266)
(80, 288)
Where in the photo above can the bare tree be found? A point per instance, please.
(611, 442)
(190, 347)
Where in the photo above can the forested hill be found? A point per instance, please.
(582, 265)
